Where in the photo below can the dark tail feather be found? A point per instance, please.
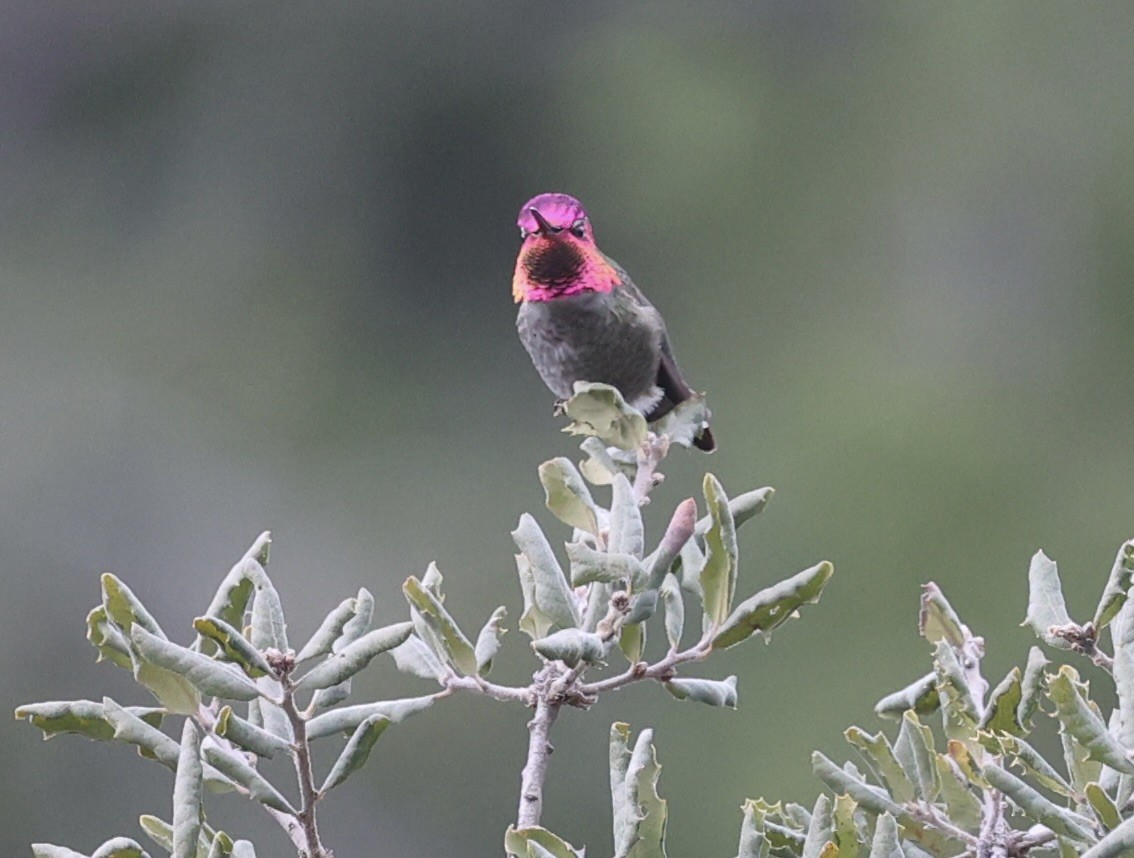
(704, 440)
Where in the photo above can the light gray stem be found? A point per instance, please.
(308, 794)
(535, 770)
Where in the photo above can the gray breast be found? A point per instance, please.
(589, 338)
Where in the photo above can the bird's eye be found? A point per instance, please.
(579, 228)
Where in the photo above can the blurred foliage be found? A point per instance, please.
(255, 262)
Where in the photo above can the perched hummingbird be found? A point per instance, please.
(583, 319)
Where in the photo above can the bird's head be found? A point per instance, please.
(558, 256)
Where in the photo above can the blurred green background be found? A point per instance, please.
(255, 263)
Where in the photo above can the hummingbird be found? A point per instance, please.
(582, 318)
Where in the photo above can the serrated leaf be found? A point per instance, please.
(329, 631)
(248, 736)
(130, 728)
(914, 749)
(234, 766)
(572, 647)
(187, 787)
(846, 831)
(567, 496)
(1117, 586)
(548, 601)
(207, 676)
(1000, 715)
(600, 410)
(960, 754)
(870, 797)
(718, 577)
(710, 691)
(1031, 686)
(1039, 808)
(354, 656)
(230, 602)
(880, 755)
(1122, 633)
(124, 608)
(753, 843)
(347, 718)
(1081, 722)
(639, 813)
(107, 638)
(773, 606)
(457, 648)
(488, 641)
(536, 842)
(85, 717)
(963, 805)
(937, 620)
(959, 712)
(233, 645)
(357, 750)
(920, 696)
(1031, 761)
(1046, 608)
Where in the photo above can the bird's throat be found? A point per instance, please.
(557, 269)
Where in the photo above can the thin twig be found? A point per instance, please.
(539, 750)
(308, 795)
(479, 685)
(662, 670)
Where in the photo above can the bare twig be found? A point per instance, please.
(308, 794)
(479, 685)
(539, 750)
(661, 670)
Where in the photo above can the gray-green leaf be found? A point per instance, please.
(600, 410)
(773, 605)
(357, 750)
(568, 496)
(187, 787)
(207, 676)
(355, 656)
(548, 600)
(710, 691)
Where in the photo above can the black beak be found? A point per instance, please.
(544, 227)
